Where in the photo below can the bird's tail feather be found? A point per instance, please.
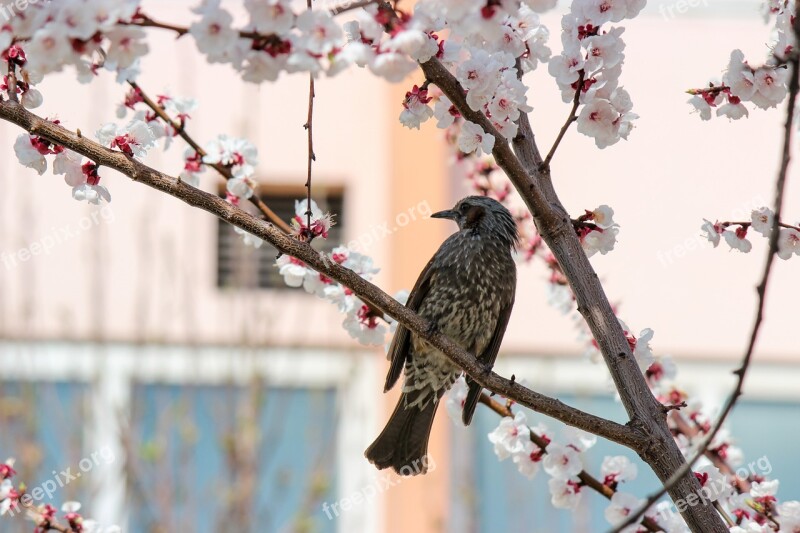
(403, 443)
(471, 402)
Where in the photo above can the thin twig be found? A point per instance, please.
(309, 126)
(748, 224)
(226, 173)
(576, 101)
(140, 19)
(761, 289)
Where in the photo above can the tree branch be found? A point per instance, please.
(533, 182)
(761, 289)
(369, 293)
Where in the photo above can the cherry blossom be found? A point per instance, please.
(529, 458)
(603, 216)
(788, 243)
(320, 222)
(192, 167)
(737, 239)
(445, 112)
(510, 436)
(93, 194)
(214, 34)
(565, 493)
(473, 139)
(701, 106)
(364, 326)
(562, 461)
(789, 513)
(714, 483)
(764, 489)
(125, 47)
(238, 154)
(712, 231)
(29, 153)
(607, 120)
(762, 220)
(600, 240)
(734, 109)
(415, 108)
(270, 16)
(133, 139)
(293, 270)
(617, 469)
(622, 504)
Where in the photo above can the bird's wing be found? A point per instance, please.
(399, 348)
(487, 358)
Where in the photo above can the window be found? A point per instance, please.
(243, 267)
(165, 435)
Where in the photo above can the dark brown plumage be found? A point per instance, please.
(467, 292)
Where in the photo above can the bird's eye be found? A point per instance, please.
(463, 208)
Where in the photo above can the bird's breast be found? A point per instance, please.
(471, 283)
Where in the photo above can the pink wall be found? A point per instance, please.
(149, 274)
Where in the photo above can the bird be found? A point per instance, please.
(466, 291)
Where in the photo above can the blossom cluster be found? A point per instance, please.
(762, 221)
(87, 34)
(486, 43)
(591, 64)
(32, 151)
(534, 448)
(764, 86)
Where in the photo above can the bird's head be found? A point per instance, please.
(484, 214)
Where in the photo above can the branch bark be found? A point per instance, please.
(369, 293)
(532, 180)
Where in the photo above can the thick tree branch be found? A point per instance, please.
(369, 293)
(532, 180)
(761, 289)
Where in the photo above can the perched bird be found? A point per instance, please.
(466, 291)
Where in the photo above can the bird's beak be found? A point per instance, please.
(448, 213)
